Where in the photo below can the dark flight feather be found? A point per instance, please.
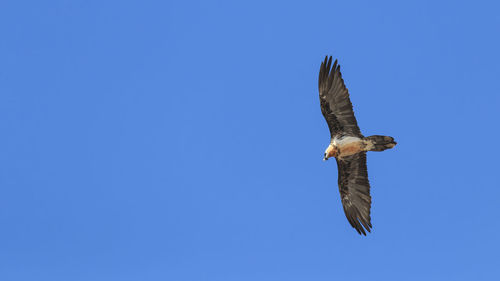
(334, 100)
(354, 190)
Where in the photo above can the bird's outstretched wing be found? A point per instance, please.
(334, 99)
(355, 191)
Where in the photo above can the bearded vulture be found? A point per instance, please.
(348, 146)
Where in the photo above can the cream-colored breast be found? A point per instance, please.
(348, 145)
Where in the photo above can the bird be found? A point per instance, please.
(348, 146)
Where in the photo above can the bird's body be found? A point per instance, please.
(348, 146)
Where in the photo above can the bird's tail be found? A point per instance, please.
(379, 143)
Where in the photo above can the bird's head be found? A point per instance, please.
(331, 151)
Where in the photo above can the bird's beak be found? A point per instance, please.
(324, 158)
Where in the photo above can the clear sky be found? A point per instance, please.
(183, 140)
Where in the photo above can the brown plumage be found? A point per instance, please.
(348, 146)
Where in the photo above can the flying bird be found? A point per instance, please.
(348, 146)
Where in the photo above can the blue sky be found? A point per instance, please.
(183, 140)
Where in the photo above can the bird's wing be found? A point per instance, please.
(355, 191)
(334, 100)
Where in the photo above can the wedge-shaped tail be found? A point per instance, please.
(379, 143)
